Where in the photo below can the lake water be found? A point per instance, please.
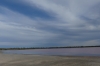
(94, 51)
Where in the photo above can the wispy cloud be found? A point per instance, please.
(50, 22)
(16, 27)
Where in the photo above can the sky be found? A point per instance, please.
(49, 23)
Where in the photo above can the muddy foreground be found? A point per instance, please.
(37, 60)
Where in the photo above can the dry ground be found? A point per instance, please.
(37, 60)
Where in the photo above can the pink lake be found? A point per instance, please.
(93, 51)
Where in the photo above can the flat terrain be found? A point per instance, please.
(37, 60)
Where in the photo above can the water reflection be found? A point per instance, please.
(95, 51)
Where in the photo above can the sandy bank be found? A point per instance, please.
(37, 60)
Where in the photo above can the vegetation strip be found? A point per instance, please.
(46, 47)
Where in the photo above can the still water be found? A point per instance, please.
(95, 51)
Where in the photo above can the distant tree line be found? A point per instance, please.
(24, 48)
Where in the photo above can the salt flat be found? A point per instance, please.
(38, 60)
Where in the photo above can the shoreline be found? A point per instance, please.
(41, 60)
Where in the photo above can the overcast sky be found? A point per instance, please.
(38, 23)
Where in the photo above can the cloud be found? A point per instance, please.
(75, 17)
(16, 27)
(67, 23)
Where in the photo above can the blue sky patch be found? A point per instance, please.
(32, 12)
